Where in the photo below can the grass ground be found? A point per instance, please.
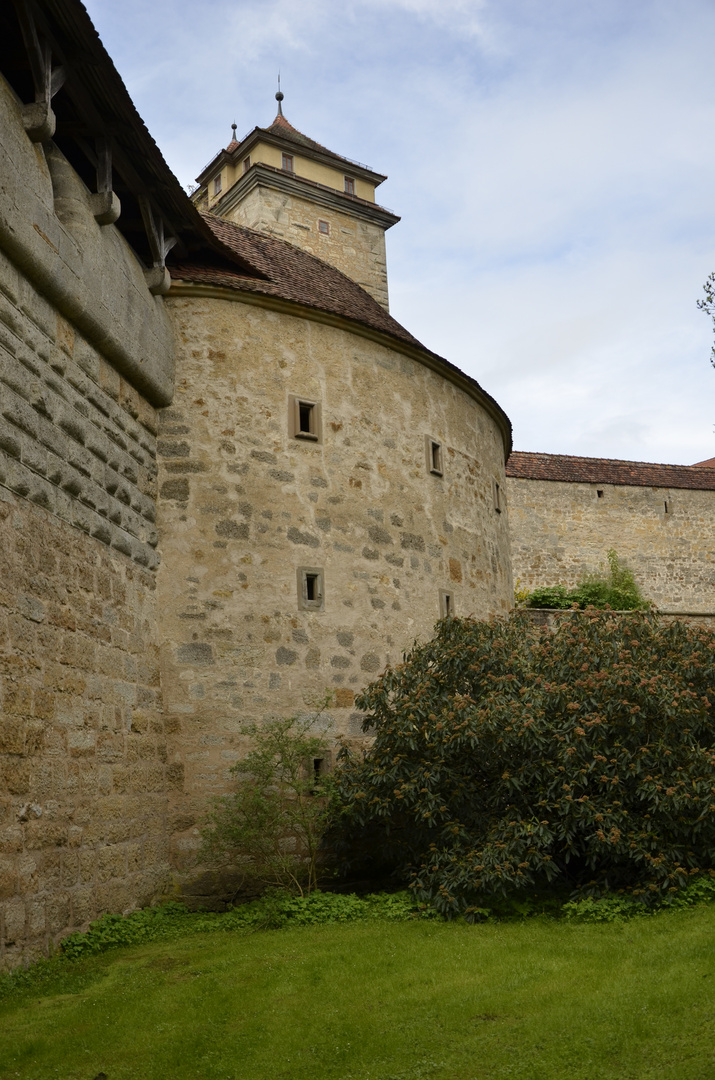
(536, 1000)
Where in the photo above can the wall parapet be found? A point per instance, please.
(548, 617)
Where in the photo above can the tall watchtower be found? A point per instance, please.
(278, 181)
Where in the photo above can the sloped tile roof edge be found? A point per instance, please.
(583, 470)
(291, 277)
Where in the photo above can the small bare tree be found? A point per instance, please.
(270, 827)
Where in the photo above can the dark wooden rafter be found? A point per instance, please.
(103, 148)
(38, 118)
(159, 243)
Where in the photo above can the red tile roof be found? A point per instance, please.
(287, 272)
(584, 470)
(709, 463)
(290, 273)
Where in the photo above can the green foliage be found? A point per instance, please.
(506, 757)
(614, 908)
(615, 588)
(274, 910)
(270, 827)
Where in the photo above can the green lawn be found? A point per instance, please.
(537, 1000)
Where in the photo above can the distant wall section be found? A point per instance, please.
(559, 531)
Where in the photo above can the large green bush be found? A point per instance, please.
(508, 758)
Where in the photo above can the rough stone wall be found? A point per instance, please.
(82, 754)
(82, 773)
(561, 530)
(353, 246)
(243, 505)
(82, 758)
(87, 271)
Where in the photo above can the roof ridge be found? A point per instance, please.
(610, 461)
(569, 468)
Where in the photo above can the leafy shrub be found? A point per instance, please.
(270, 827)
(506, 757)
(273, 911)
(615, 588)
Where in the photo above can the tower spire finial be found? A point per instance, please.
(234, 125)
(279, 96)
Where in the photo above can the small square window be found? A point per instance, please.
(599, 494)
(246, 164)
(217, 184)
(349, 185)
(310, 588)
(324, 228)
(434, 456)
(287, 165)
(446, 604)
(304, 419)
(497, 498)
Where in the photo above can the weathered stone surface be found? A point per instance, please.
(238, 603)
(87, 272)
(81, 653)
(354, 246)
(559, 531)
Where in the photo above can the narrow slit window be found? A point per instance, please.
(306, 423)
(446, 604)
(287, 163)
(246, 163)
(433, 450)
(666, 506)
(304, 419)
(317, 769)
(310, 588)
(349, 185)
(324, 227)
(497, 497)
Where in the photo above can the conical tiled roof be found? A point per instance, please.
(285, 129)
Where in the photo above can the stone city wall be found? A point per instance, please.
(559, 531)
(244, 505)
(82, 757)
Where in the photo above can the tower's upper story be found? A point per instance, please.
(277, 180)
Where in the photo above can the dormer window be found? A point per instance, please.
(349, 185)
(287, 165)
(217, 184)
(246, 164)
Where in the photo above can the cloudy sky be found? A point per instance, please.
(553, 162)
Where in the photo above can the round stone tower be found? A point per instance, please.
(329, 489)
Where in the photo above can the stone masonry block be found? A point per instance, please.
(13, 916)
